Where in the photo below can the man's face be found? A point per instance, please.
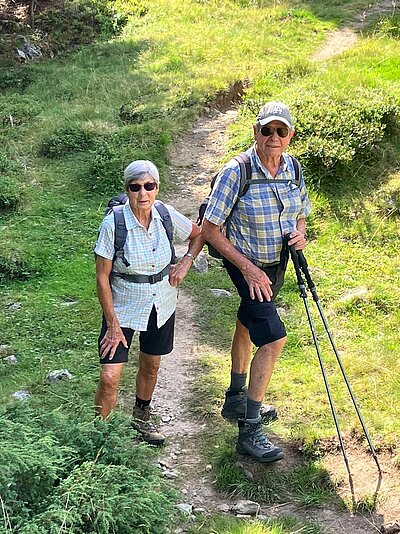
(272, 145)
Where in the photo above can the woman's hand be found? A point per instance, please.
(178, 272)
(112, 338)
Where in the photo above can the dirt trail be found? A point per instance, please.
(344, 38)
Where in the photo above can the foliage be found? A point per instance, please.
(68, 471)
(21, 108)
(66, 140)
(80, 21)
(15, 77)
(340, 129)
(388, 27)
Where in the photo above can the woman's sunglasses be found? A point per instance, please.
(282, 131)
(135, 188)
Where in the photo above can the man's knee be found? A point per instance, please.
(149, 365)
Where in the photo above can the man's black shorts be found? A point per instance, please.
(155, 341)
(260, 318)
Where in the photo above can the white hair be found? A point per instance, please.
(140, 168)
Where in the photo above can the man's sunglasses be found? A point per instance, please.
(282, 131)
(135, 188)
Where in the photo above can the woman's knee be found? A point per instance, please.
(110, 377)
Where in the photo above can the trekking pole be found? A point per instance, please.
(303, 295)
(311, 286)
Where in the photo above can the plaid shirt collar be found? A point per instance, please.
(130, 219)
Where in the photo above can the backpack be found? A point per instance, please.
(245, 173)
(116, 205)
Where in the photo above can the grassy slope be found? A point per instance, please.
(173, 59)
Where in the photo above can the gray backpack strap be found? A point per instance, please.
(167, 223)
(297, 170)
(119, 234)
(245, 177)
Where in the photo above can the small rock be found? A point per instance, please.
(14, 306)
(199, 511)
(4, 349)
(220, 293)
(243, 516)
(208, 468)
(200, 263)
(246, 507)
(392, 528)
(201, 180)
(170, 474)
(224, 508)
(281, 311)
(59, 374)
(184, 491)
(12, 360)
(22, 394)
(185, 508)
(249, 475)
(165, 418)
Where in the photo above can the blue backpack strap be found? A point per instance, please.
(120, 233)
(167, 223)
(245, 172)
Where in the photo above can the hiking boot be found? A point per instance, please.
(234, 407)
(254, 443)
(147, 429)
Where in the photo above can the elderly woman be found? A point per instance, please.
(138, 291)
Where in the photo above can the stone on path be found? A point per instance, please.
(221, 293)
(245, 507)
(22, 394)
(59, 374)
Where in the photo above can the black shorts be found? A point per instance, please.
(155, 341)
(260, 318)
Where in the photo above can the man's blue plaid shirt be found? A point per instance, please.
(264, 214)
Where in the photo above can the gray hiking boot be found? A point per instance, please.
(254, 443)
(234, 407)
(145, 426)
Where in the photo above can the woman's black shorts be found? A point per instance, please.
(260, 318)
(155, 341)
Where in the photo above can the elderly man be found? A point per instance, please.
(272, 210)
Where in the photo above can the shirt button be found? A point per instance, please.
(154, 294)
(154, 249)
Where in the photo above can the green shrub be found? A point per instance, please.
(76, 22)
(66, 140)
(10, 191)
(113, 153)
(16, 78)
(388, 27)
(71, 473)
(21, 108)
(14, 265)
(334, 131)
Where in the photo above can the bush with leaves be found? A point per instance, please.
(66, 140)
(334, 131)
(76, 22)
(77, 474)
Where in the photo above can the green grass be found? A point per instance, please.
(228, 525)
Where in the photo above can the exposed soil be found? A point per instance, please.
(344, 38)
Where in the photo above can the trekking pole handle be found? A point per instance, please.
(304, 268)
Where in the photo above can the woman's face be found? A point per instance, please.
(141, 201)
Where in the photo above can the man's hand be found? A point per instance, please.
(258, 282)
(178, 272)
(298, 239)
(112, 338)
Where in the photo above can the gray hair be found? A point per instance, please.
(138, 169)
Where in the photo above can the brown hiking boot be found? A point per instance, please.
(145, 426)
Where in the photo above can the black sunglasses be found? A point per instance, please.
(135, 188)
(282, 131)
